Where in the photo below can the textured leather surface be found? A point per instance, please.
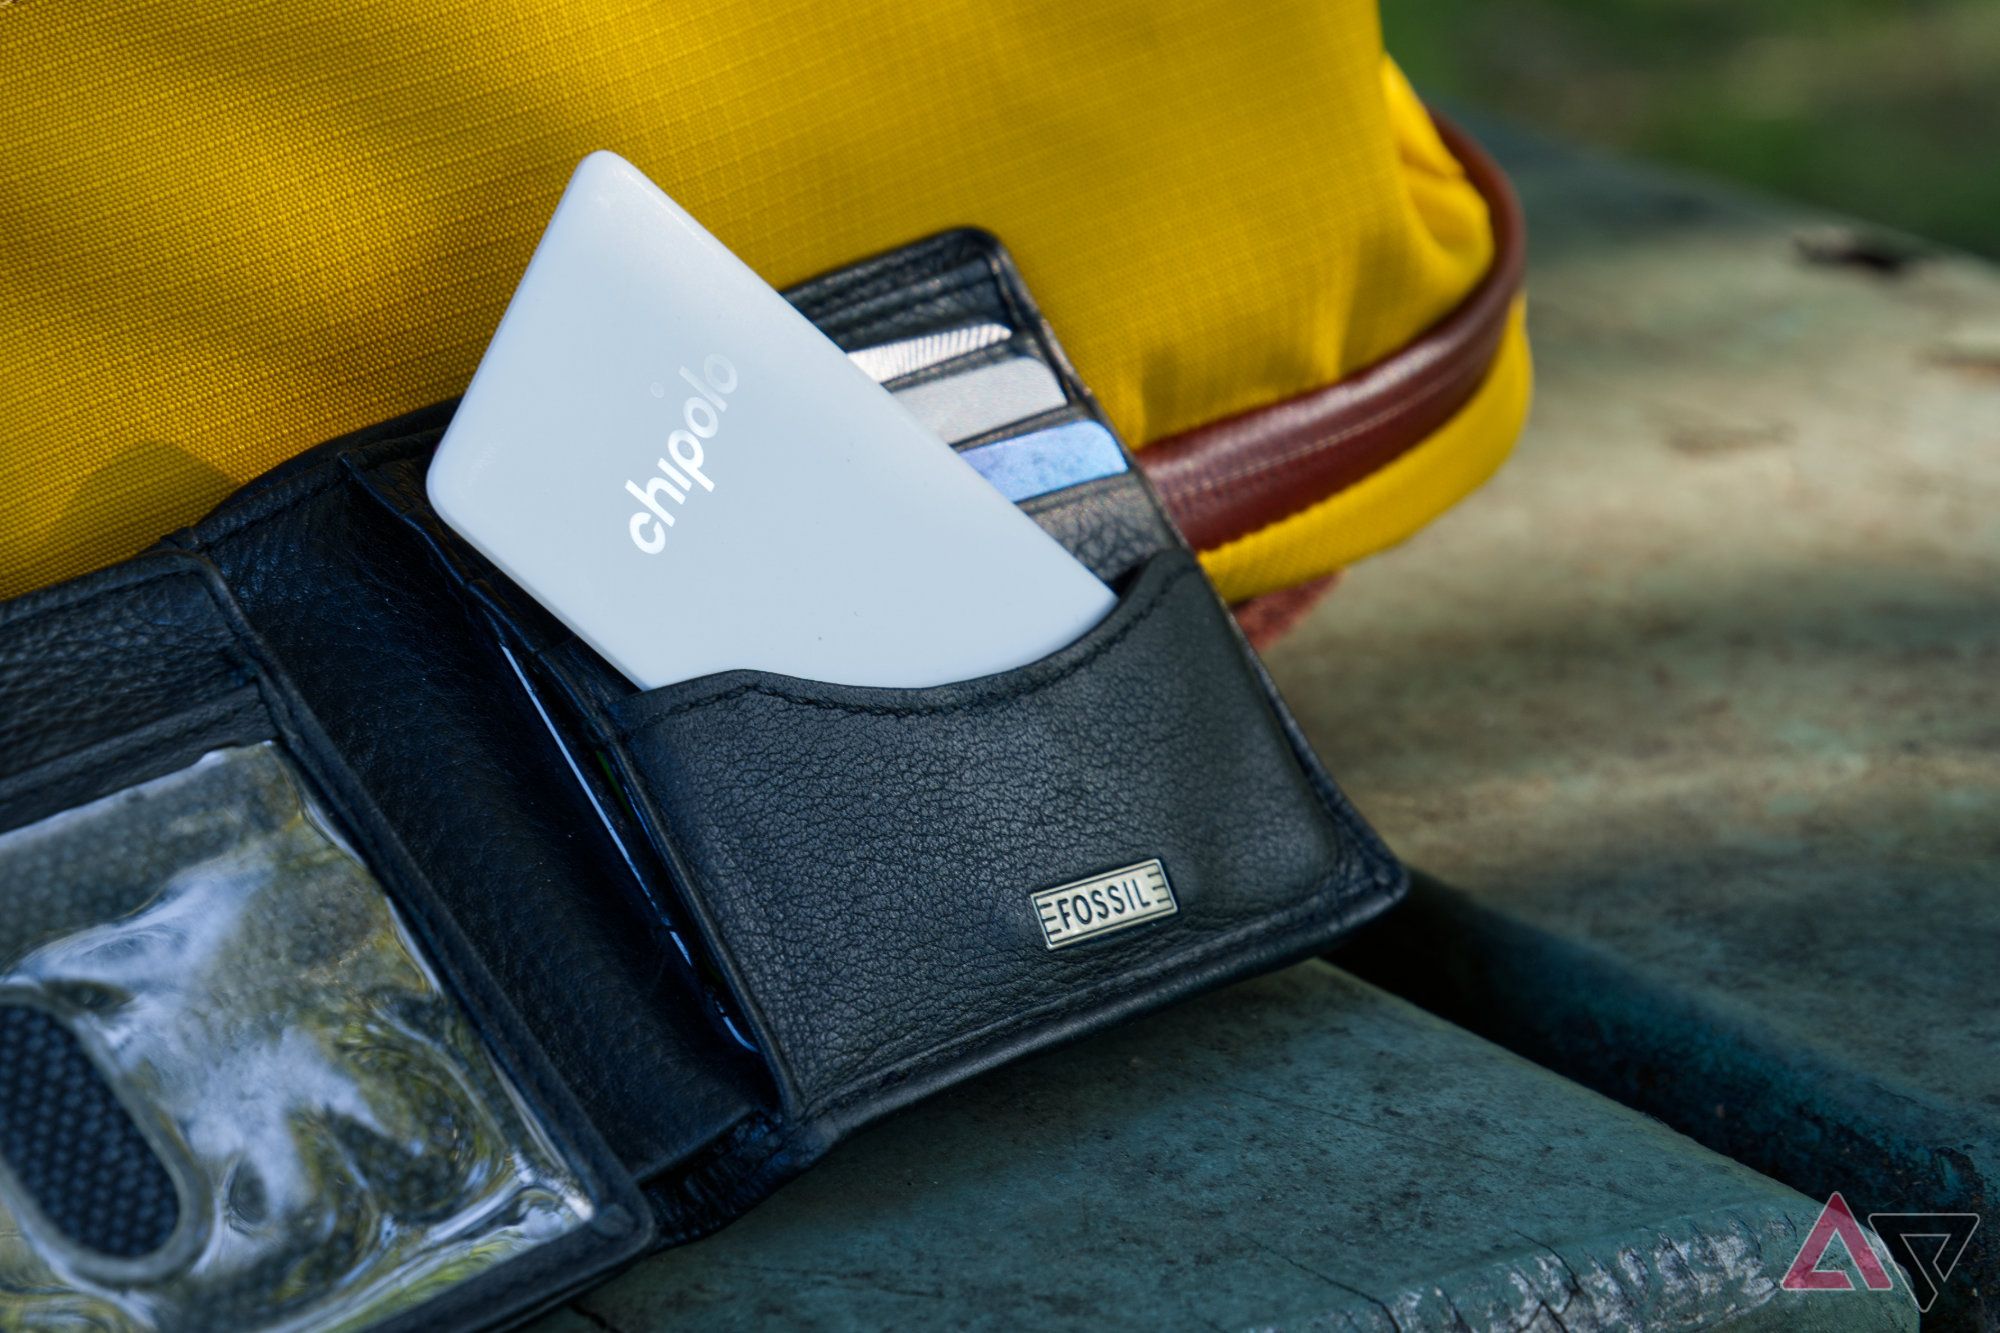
(489, 736)
(81, 692)
(863, 859)
(133, 672)
(1113, 524)
(939, 282)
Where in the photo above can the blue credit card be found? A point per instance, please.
(1042, 461)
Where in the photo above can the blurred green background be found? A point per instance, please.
(1887, 109)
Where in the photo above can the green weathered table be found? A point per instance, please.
(1694, 714)
(1299, 1150)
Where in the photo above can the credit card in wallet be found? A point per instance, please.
(888, 361)
(984, 397)
(693, 478)
(1022, 467)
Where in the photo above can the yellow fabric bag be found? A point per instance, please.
(233, 231)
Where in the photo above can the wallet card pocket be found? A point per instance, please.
(904, 885)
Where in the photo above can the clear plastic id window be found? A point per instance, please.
(233, 1093)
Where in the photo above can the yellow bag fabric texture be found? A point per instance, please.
(236, 230)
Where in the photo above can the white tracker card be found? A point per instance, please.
(686, 472)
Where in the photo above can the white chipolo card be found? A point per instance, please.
(687, 473)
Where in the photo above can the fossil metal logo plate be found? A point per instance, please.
(1086, 908)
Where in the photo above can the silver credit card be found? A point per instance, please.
(891, 361)
(984, 397)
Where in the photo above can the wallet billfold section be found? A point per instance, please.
(313, 801)
(250, 1074)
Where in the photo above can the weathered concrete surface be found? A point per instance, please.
(1298, 1151)
(1696, 710)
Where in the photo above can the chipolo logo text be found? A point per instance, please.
(686, 464)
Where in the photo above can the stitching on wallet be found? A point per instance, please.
(228, 526)
(887, 292)
(85, 600)
(1139, 618)
(132, 743)
(313, 482)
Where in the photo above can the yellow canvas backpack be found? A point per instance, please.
(235, 231)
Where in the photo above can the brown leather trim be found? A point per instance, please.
(1229, 478)
(1272, 616)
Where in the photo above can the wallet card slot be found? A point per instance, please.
(869, 865)
(938, 283)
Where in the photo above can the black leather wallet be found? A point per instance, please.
(685, 938)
